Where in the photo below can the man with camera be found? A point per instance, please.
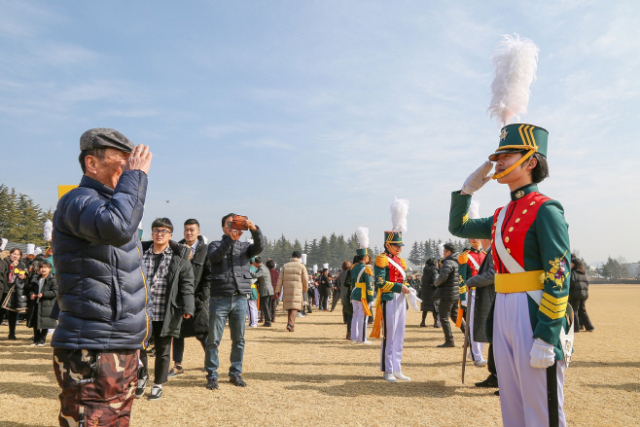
(230, 287)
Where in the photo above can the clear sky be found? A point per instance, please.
(309, 117)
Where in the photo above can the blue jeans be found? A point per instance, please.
(220, 308)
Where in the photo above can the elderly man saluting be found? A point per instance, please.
(102, 295)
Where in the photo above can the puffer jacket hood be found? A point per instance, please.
(102, 295)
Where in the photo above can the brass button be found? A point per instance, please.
(510, 229)
(533, 203)
(508, 250)
(524, 212)
(519, 194)
(517, 220)
(506, 239)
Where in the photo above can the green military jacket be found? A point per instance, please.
(536, 235)
(366, 278)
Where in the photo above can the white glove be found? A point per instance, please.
(478, 178)
(542, 354)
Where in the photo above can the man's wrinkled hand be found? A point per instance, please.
(139, 159)
(478, 178)
(250, 225)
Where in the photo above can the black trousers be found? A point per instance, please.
(178, 348)
(446, 307)
(580, 316)
(491, 362)
(335, 298)
(3, 312)
(266, 303)
(163, 355)
(274, 306)
(13, 317)
(324, 299)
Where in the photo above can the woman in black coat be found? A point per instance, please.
(42, 296)
(427, 289)
(18, 301)
(578, 295)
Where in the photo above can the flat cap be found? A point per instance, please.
(105, 138)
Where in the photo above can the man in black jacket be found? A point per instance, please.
(169, 276)
(198, 325)
(447, 293)
(485, 295)
(324, 289)
(229, 289)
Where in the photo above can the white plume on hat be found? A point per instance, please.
(315, 268)
(362, 233)
(48, 230)
(474, 210)
(3, 244)
(515, 62)
(399, 210)
(441, 250)
(31, 249)
(303, 259)
(325, 265)
(38, 251)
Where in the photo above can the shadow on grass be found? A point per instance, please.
(379, 387)
(417, 365)
(30, 390)
(27, 368)
(590, 364)
(630, 387)
(13, 424)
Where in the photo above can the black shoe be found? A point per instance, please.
(497, 392)
(491, 381)
(590, 330)
(212, 384)
(142, 384)
(156, 393)
(422, 325)
(12, 337)
(447, 344)
(237, 380)
(267, 324)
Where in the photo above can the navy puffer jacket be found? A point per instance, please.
(102, 295)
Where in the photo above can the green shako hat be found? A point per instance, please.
(393, 237)
(521, 137)
(362, 252)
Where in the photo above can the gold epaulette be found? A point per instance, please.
(463, 257)
(368, 271)
(382, 261)
(404, 264)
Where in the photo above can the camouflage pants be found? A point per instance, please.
(97, 387)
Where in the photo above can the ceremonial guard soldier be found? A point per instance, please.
(532, 336)
(470, 261)
(362, 293)
(391, 305)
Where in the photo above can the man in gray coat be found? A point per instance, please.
(265, 288)
(483, 314)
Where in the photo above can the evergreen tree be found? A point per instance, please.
(414, 255)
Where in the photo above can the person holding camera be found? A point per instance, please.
(230, 288)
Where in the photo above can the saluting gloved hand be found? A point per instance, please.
(478, 178)
(542, 354)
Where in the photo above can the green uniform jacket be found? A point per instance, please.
(356, 293)
(537, 237)
(388, 278)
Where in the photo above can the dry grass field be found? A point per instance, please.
(315, 377)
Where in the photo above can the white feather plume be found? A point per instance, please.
(3, 244)
(399, 210)
(304, 259)
(363, 237)
(474, 210)
(515, 62)
(441, 250)
(48, 230)
(315, 268)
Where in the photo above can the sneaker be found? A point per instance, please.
(388, 376)
(156, 393)
(237, 380)
(40, 344)
(175, 371)
(366, 342)
(480, 363)
(212, 384)
(490, 382)
(142, 385)
(401, 376)
(33, 344)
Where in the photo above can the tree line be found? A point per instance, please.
(21, 219)
(335, 249)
